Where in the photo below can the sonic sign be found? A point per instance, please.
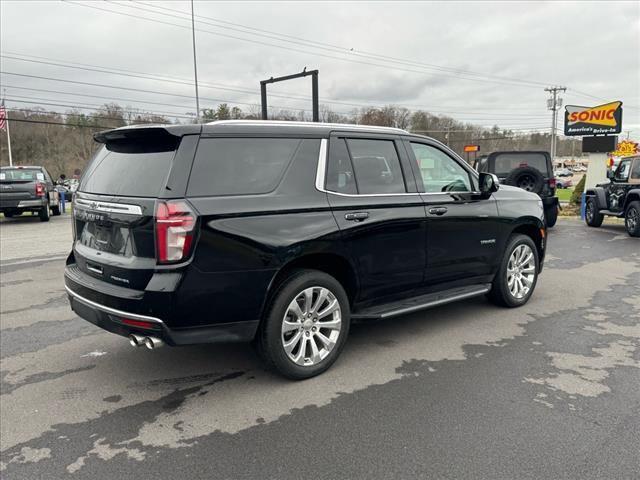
(603, 119)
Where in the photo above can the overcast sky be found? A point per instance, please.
(508, 51)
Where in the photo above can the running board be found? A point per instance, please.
(609, 212)
(421, 302)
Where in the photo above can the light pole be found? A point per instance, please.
(195, 63)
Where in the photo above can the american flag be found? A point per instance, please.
(3, 117)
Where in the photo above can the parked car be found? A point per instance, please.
(283, 233)
(563, 183)
(28, 189)
(620, 197)
(529, 170)
(563, 172)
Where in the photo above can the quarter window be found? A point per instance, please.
(440, 172)
(376, 166)
(240, 166)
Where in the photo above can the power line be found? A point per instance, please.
(219, 86)
(422, 72)
(320, 45)
(24, 120)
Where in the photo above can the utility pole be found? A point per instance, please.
(195, 63)
(554, 104)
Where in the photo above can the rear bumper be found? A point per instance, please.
(101, 310)
(14, 204)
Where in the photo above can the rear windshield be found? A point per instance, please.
(240, 166)
(21, 175)
(127, 172)
(505, 162)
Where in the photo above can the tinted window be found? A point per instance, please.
(622, 173)
(127, 174)
(635, 171)
(21, 174)
(505, 162)
(377, 166)
(440, 172)
(339, 171)
(240, 166)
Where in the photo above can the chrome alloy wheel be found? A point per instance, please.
(521, 271)
(311, 326)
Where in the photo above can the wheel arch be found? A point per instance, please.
(632, 196)
(598, 194)
(533, 231)
(332, 264)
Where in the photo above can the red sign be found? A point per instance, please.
(472, 148)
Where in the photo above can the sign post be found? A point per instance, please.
(598, 126)
(471, 148)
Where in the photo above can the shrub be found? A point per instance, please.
(576, 196)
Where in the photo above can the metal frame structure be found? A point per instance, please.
(304, 73)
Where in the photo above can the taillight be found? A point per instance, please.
(175, 223)
(39, 189)
(552, 183)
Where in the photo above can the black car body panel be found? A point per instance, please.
(614, 197)
(381, 247)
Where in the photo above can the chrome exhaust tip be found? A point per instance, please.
(136, 340)
(153, 342)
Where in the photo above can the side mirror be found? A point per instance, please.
(610, 174)
(489, 183)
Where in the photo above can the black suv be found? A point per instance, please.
(28, 189)
(620, 197)
(282, 233)
(530, 170)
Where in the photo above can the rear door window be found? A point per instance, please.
(504, 163)
(340, 177)
(240, 166)
(137, 173)
(376, 166)
(20, 174)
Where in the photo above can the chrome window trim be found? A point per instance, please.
(321, 173)
(346, 126)
(101, 206)
(112, 311)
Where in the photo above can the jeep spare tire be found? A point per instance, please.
(526, 178)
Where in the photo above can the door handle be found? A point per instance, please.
(356, 216)
(438, 210)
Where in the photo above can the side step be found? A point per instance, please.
(421, 302)
(609, 212)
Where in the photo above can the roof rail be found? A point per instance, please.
(308, 124)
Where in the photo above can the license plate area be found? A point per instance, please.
(107, 237)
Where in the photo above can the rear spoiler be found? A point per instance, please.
(159, 133)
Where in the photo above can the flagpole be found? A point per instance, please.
(6, 118)
(9, 140)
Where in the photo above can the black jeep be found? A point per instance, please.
(530, 170)
(282, 233)
(620, 197)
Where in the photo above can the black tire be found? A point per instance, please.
(56, 210)
(527, 178)
(272, 339)
(551, 216)
(501, 293)
(8, 214)
(592, 216)
(632, 219)
(44, 213)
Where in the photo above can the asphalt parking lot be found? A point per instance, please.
(469, 390)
